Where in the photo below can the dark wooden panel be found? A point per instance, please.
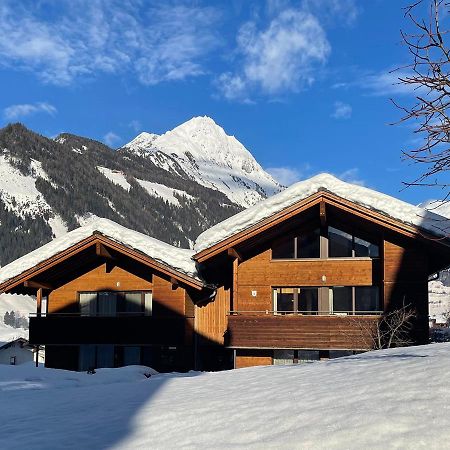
(403, 261)
(315, 332)
(70, 330)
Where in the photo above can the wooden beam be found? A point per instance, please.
(38, 285)
(323, 213)
(38, 302)
(235, 254)
(174, 282)
(101, 250)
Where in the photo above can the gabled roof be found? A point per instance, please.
(377, 202)
(176, 259)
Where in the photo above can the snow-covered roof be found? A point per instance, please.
(175, 258)
(376, 201)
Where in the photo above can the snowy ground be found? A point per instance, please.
(381, 400)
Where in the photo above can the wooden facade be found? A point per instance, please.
(236, 315)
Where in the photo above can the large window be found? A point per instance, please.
(340, 300)
(335, 243)
(343, 244)
(354, 300)
(109, 303)
(303, 300)
(304, 245)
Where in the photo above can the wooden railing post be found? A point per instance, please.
(38, 302)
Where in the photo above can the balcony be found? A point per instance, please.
(299, 331)
(74, 329)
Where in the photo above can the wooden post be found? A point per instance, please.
(37, 355)
(234, 297)
(38, 302)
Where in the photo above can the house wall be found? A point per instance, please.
(166, 298)
(171, 303)
(22, 354)
(260, 274)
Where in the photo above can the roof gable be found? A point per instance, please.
(305, 194)
(160, 255)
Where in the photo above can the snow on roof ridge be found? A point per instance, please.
(176, 258)
(369, 198)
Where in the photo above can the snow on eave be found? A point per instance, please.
(176, 259)
(376, 201)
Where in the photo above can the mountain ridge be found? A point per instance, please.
(50, 186)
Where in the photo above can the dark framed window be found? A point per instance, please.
(332, 242)
(354, 299)
(303, 245)
(304, 300)
(112, 303)
(342, 244)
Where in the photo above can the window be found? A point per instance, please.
(305, 245)
(367, 299)
(112, 303)
(12, 360)
(341, 299)
(287, 357)
(335, 243)
(343, 244)
(289, 300)
(354, 300)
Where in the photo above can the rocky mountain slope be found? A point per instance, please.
(171, 187)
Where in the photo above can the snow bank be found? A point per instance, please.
(376, 201)
(390, 399)
(173, 257)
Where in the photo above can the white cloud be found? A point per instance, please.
(135, 125)
(341, 11)
(14, 112)
(82, 38)
(351, 176)
(283, 57)
(287, 175)
(111, 139)
(341, 111)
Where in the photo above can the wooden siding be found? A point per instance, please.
(65, 298)
(211, 320)
(260, 273)
(301, 332)
(250, 358)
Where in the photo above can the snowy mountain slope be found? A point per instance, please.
(210, 157)
(388, 399)
(48, 187)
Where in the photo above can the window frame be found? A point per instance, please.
(144, 311)
(324, 243)
(324, 297)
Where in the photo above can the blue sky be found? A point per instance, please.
(304, 85)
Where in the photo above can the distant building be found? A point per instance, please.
(19, 351)
(301, 276)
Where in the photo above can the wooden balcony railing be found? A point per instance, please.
(301, 331)
(74, 329)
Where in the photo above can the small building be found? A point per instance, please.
(20, 351)
(301, 276)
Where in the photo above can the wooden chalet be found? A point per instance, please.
(300, 276)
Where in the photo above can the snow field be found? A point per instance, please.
(389, 399)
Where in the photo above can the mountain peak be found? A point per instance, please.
(211, 157)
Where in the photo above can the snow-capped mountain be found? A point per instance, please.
(171, 187)
(210, 157)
